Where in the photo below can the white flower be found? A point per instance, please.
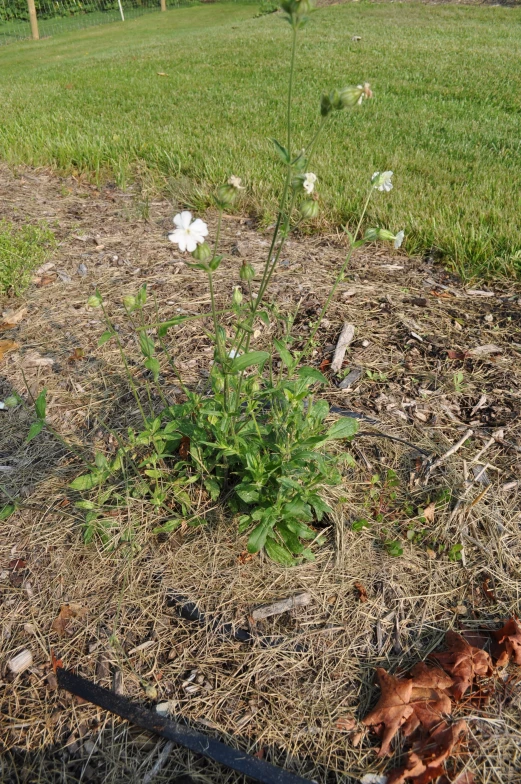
(235, 182)
(382, 182)
(366, 91)
(399, 239)
(309, 182)
(188, 235)
(234, 353)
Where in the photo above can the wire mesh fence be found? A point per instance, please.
(50, 17)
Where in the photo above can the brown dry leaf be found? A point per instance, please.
(456, 354)
(76, 355)
(11, 318)
(5, 346)
(392, 709)
(184, 448)
(463, 662)
(67, 613)
(425, 761)
(345, 723)
(428, 512)
(362, 592)
(429, 698)
(508, 640)
(486, 590)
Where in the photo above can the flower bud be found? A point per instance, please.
(247, 273)
(371, 235)
(94, 301)
(237, 296)
(226, 195)
(309, 209)
(350, 96)
(129, 303)
(203, 252)
(384, 235)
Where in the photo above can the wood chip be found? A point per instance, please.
(21, 662)
(484, 351)
(281, 606)
(346, 336)
(352, 377)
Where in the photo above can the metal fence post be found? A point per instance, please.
(35, 35)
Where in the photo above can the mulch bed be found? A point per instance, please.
(425, 377)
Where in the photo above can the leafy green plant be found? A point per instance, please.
(268, 7)
(257, 439)
(22, 249)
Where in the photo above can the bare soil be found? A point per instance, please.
(425, 378)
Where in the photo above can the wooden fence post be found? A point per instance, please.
(35, 35)
(163, 5)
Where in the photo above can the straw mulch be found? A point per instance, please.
(415, 327)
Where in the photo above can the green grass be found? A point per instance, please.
(22, 250)
(446, 115)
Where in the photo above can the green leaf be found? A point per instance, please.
(88, 505)
(153, 365)
(213, 488)
(147, 345)
(281, 152)
(248, 360)
(40, 404)
(168, 527)
(258, 536)
(7, 511)
(214, 264)
(278, 554)
(264, 317)
(346, 427)
(85, 482)
(285, 355)
(165, 326)
(247, 493)
(100, 460)
(141, 296)
(35, 429)
(311, 374)
(107, 335)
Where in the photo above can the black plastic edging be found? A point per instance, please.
(209, 747)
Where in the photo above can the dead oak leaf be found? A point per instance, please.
(392, 709)
(66, 614)
(463, 662)
(5, 346)
(345, 723)
(425, 761)
(362, 592)
(11, 318)
(429, 698)
(508, 643)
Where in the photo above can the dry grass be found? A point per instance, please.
(277, 698)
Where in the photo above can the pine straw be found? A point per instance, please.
(275, 698)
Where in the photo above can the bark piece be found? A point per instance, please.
(346, 336)
(281, 606)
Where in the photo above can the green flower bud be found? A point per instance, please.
(371, 235)
(226, 196)
(350, 96)
(203, 252)
(94, 301)
(129, 303)
(309, 209)
(237, 296)
(247, 273)
(384, 235)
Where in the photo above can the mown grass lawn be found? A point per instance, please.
(446, 115)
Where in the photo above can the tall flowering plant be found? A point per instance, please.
(258, 442)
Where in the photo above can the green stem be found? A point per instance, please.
(290, 87)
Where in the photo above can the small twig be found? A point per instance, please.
(492, 440)
(160, 762)
(450, 451)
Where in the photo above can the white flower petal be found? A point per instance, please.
(199, 227)
(399, 239)
(186, 219)
(191, 243)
